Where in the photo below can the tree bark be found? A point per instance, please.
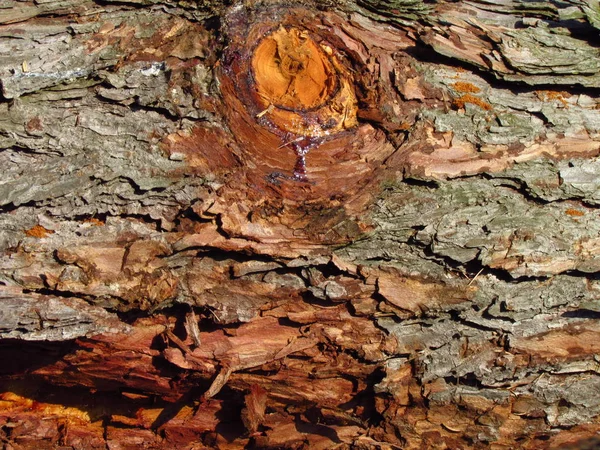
(330, 224)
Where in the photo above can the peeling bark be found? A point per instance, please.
(269, 224)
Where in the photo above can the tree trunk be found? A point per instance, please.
(344, 224)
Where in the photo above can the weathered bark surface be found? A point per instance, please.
(401, 253)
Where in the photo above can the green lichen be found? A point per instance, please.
(592, 12)
(541, 50)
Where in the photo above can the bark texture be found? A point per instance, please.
(265, 224)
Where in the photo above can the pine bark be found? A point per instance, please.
(330, 224)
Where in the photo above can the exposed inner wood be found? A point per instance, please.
(291, 71)
(301, 86)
